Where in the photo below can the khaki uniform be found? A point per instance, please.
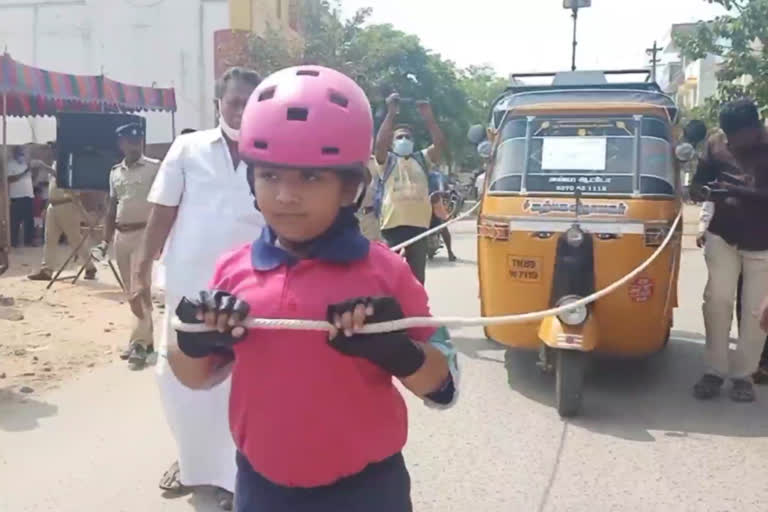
(64, 215)
(129, 186)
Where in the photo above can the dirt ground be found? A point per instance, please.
(47, 337)
(50, 336)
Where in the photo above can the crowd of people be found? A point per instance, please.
(279, 212)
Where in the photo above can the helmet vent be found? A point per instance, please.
(260, 144)
(328, 150)
(268, 94)
(298, 114)
(339, 100)
(307, 72)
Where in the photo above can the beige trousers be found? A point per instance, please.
(126, 251)
(725, 262)
(63, 218)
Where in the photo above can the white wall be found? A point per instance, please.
(168, 43)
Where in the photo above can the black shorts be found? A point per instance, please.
(381, 487)
(436, 221)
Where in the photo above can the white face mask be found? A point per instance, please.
(232, 133)
(403, 147)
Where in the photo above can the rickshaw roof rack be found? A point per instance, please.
(584, 79)
(584, 87)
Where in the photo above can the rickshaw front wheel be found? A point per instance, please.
(571, 366)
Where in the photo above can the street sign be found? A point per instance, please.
(576, 4)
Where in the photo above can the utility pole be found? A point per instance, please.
(653, 53)
(574, 6)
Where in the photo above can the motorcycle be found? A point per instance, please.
(447, 204)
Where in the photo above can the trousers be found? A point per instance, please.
(415, 254)
(725, 263)
(126, 251)
(381, 487)
(63, 218)
(22, 216)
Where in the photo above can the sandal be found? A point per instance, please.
(742, 391)
(760, 377)
(224, 499)
(708, 387)
(171, 480)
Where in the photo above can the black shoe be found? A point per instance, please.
(90, 274)
(452, 257)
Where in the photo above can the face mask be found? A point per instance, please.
(403, 147)
(232, 133)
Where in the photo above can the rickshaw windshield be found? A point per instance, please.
(620, 155)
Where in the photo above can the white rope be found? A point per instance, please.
(436, 229)
(408, 323)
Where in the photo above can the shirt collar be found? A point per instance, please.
(342, 243)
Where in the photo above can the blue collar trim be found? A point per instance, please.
(342, 243)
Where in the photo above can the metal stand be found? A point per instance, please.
(92, 228)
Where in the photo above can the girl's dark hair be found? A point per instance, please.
(246, 75)
(738, 115)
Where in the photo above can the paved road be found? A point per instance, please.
(100, 443)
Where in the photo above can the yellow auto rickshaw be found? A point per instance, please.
(582, 188)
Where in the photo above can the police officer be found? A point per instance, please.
(63, 216)
(127, 214)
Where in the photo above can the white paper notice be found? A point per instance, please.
(574, 154)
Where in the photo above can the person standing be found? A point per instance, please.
(366, 215)
(736, 243)
(402, 174)
(22, 195)
(201, 207)
(64, 215)
(127, 214)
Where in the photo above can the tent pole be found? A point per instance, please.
(4, 193)
(173, 126)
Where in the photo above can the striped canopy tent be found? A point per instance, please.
(30, 91)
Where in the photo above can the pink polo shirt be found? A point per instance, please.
(303, 414)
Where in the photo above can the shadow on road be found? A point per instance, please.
(18, 413)
(629, 399)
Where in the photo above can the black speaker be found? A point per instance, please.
(86, 148)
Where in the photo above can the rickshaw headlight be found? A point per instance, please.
(574, 316)
(574, 237)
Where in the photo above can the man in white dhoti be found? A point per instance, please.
(202, 207)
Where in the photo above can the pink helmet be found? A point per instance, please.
(307, 117)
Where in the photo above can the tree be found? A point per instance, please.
(383, 60)
(740, 39)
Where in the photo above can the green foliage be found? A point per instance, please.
(384, 60)
(740, 38)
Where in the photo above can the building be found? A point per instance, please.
(691, 82)
(168, 43)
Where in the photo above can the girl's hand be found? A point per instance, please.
(394, 352)
(218, 310)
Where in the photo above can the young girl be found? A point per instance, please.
(317, 421)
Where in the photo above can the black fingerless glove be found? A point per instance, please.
(204, 344)
(395, 352)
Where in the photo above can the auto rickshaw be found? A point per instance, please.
(582, 188)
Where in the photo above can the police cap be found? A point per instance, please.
(130, 130)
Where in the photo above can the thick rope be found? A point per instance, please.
(409, 323)
(436, 229)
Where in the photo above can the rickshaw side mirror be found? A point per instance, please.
(476, 134)
(685, 152)
(485, 149)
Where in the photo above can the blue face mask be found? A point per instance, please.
(403, 147)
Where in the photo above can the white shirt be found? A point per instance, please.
(23, 187)
(216, 210)
(480, 184)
